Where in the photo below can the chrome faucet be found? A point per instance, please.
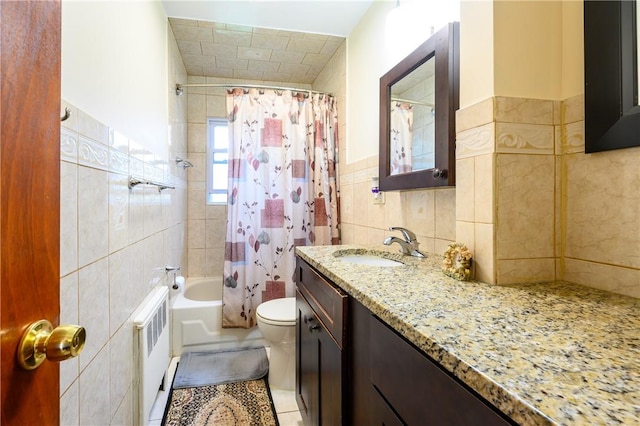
(408, 246)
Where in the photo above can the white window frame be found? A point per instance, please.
(215, 197)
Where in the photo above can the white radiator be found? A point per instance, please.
(151, 350)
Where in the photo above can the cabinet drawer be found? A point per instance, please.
(417, 389)
(327, 301)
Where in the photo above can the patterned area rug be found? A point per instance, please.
(240, 403)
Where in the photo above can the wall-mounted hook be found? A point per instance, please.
(67, 114)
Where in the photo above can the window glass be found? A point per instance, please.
(217, 160)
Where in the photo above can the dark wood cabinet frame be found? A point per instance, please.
(444, 46)
(612, 114)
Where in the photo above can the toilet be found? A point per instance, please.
(277, 322)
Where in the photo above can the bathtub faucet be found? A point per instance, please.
(175, 270)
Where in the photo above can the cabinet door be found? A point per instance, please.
(418, 390)
(307, 374)
(319, 380)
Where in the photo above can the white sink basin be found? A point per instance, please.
(369, 259)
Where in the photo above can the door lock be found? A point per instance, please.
(41, 341)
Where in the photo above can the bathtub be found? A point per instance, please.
(196, 320)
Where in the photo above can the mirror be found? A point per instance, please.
(612, 114)
(418, 100)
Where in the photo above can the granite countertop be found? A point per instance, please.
(546, 353)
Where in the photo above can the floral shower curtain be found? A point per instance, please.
(282, 193)
(401, 120)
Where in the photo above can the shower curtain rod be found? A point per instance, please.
(413, 102)
(179, 87)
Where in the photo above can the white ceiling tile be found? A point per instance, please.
(263, 66)
(184, 32)
(286, 56)
(294, 68)
(305, 45)
(233, 38)
(269, 41)
(225, 51)
(232, 63)
(253, 53)
(189, 47)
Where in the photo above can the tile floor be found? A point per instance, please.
(284, 401)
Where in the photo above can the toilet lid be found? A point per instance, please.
(279, 311)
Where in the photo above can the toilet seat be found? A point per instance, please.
(280, 312)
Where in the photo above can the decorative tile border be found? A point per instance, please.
(476, 141)
(573, 138)
(93, 154)
(68, 145)
(524, 138)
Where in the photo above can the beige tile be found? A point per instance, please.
(69, 370)
(118, 212)
(573, 109)
(93, 215)
(121, 367)
(516, 271)
(214, 262)
(136, 215)
(153, 261)
(136, 272)
(375, 213)
(216, 212)
(419, 211)
(91, 128)
(94, 393)
(216, 106)
(196, 262)
(445, 218)
(393, 210)
(120, 301)
(375, 236)
(70, 406)
(216, 232)
(606, 277)
(68, 218)
(93, 314)
(197, 108)
(284, 401)
(361, 198)
(124, 413)
(196, 233)
(465, 234)
(522, 110)
(603, 224)
(346, 202)
(484, 257)
(525, 206)
(197, 137)
(197, 173)
(475, 115)
(152, 210)
(290, 419)
(465, 189)
(484, 187)
(196, 204)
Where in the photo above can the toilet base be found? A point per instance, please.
(282, 366)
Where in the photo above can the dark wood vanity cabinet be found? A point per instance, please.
(354, 369)
(320, 356)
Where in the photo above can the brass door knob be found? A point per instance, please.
(41, 341)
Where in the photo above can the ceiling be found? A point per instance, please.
(282, 41)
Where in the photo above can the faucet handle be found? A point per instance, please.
(408, 235)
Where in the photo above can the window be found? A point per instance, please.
(217, 160)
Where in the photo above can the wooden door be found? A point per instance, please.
(29, 201)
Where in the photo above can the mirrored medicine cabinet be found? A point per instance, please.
(612, 113)
(418, 100)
